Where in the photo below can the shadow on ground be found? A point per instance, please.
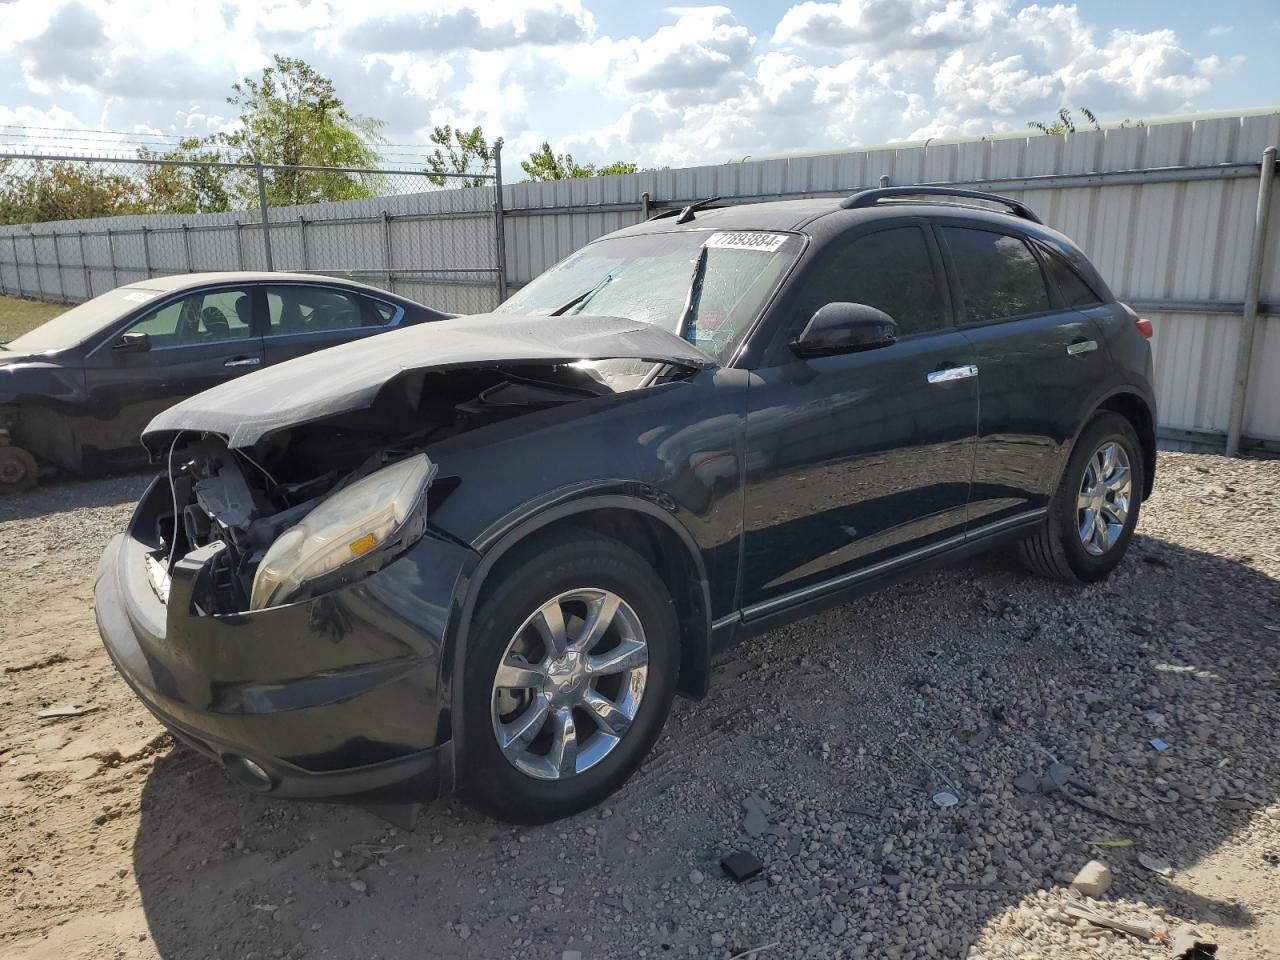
(848, 718)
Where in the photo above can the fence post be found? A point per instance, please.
(239, 248)
(17, 266)
(35, 259)
(111, 256)
(263, 209)
(500, 236)
(1249, 322)
(644, 205)
(302, 242)
(186, 245)
(84, 262)
(57, 268)
(146, 253)
(386, 247)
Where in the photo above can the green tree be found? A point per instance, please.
(292, 116)
(464, 152)
(546, 164)
(1064, 123)
(171, 188)
(40, 191)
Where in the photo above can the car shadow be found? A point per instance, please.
(958, 678)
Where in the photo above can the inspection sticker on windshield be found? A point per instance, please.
(139, 296)
(764, 242)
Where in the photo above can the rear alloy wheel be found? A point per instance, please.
(18, 471)
(570, 671)
(1091, 518)
(1103, 504)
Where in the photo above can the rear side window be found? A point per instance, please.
(1073, 289)
(998, 275)
(890, 270)
(316, 310)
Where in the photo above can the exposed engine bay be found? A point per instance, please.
(247, 500)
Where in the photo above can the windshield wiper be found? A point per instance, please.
(687, 328)
(582, 298)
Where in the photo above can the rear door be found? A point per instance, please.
(194, 341)
(304, 318)
(1036, 356)
(855, 461)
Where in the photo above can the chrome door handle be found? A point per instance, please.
(243, 362)
(953, 373)
(1081, 346)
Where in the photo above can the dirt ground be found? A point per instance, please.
(819, 750)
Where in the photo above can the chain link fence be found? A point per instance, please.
(433, 237)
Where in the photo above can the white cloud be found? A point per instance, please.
(698, 86)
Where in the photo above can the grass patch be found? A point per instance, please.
(19, 316)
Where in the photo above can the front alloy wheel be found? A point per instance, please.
(570, 684)
(570, 669)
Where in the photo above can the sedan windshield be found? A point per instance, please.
(81, 322)
(707, 287)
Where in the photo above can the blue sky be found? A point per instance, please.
(660, 85)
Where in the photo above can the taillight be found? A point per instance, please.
(1144, 327)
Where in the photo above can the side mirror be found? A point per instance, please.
(845, 328)
(133, 343)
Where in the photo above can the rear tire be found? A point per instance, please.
(18, 470)
(1090, 520)
(606, 699)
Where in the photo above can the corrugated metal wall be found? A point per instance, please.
(1165, 211)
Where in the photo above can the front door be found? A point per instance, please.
(856, 460)
(191, 344)
(1037, 357)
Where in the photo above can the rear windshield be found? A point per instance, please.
(81, 322)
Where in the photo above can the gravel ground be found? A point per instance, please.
(819, 751)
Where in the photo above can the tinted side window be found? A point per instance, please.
(198, 318)
(890, 270)
(315, 309)
(1075, 292)
(385, 311)
(998, 275)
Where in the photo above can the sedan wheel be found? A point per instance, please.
(18, 471)
(570, 684)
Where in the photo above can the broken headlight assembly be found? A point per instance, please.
(375, 517)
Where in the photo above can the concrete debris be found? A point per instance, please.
(1093, 879)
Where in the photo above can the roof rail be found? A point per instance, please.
(872, 196)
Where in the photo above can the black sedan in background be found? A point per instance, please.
(76, 392)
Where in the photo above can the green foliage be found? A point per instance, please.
(292, 116)
(167, 188)
(63, 191)
(1064, 123)
(460, 152)
(545, 164)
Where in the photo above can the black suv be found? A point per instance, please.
(486, 552)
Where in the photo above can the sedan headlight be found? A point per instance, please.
(377, 511)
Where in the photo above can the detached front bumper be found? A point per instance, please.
(345, 696)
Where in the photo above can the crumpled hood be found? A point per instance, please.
(349, 377)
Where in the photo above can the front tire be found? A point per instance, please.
(569, 677)
(1090, 521)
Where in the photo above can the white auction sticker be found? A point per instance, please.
(764, 242)
(138, 296)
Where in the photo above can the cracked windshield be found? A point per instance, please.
(707, 287)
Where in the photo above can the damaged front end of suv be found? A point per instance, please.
(282, 599)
